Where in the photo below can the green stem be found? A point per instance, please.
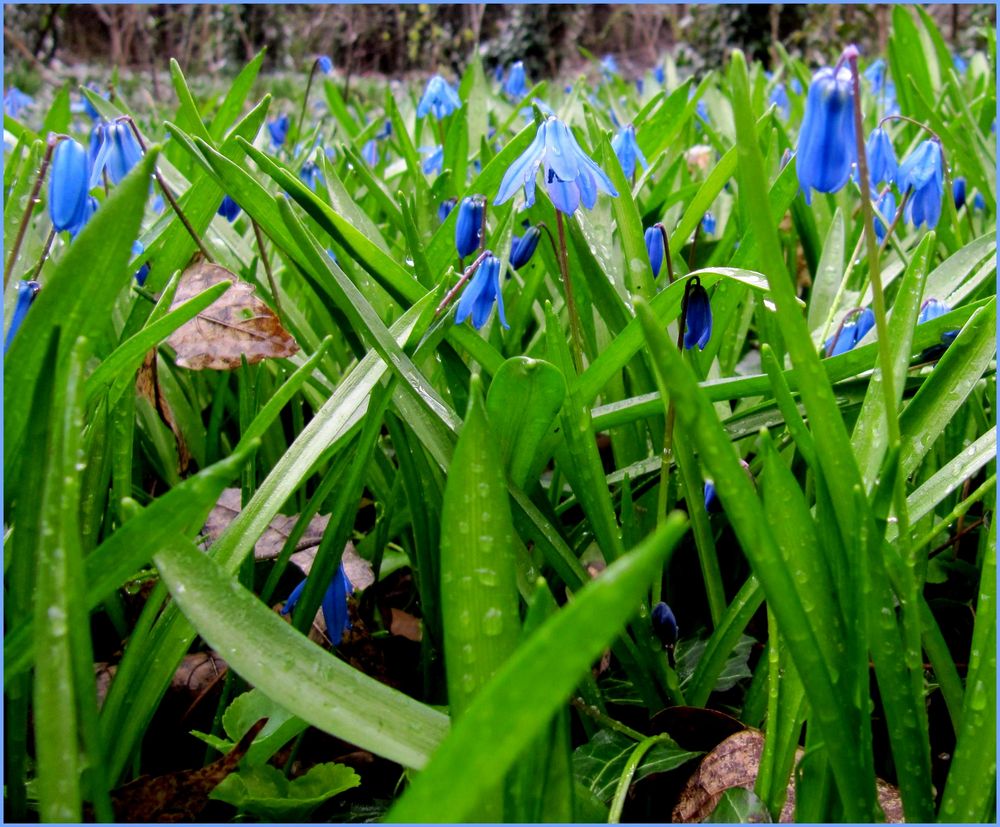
(32, 200)
(574, 318)
(634, 760)
(305, 100)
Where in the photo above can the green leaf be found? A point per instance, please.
(58, 118)
(264, 791)
(739, 805)
(280, 728)
(479, 600)
(236, 96)
(280, 662)
(511, 711)
(523, 401)
(826, 282)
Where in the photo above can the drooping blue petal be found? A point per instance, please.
(827, 147)
(439, 98)
(922, 175)
(588, 189)
(26, 292)
(627, 151)
(931, 309)
(600, 177)
(561, 152)
(68, 185)
(523, 169)
(480, 293)
(882, 167)
(565, 195)
(523, 247)
(885, 214)
(335, 606)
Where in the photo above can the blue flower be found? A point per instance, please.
(445, 209)
(827, 147)
(875, 75)
(855, 326)
(325, 64)
(698, 315)
(570, 175)
(119, 152)
(978, 202)
(609, 66)
(640, 85)
(369, 152)
(279, 130)
(882, 167)
(885, 214)
(701, 110)
(931, 309)
(523, 247)
(26, 292)
(469, 226)
(439, 98)
(779, 97)
(958, 192)
(311, 175)
(627, 150)
(480, 293)
(959, 63)
(68, 185)
(434, 159)
(516, 86)
(708, 223)
(334, 604)
(659, 75)
(922, 175)
(712, 504)
(15, 100)
(664, 624)
(654, 247)
(143, 272)
(385, 131)
(89, 210)
(229, 209)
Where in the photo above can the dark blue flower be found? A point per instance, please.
(480, 293)
(119, 152)
(446, 207)
(779, 97)
(439, 98)
(885, 214)
(433, 160)
(385, 131)
(228, 209)
(26, 292)
(712, 504)
(654, 246)
(698, 316)
(14, 100)
(708, 223)
(143, 272)
(516, 85)
(570, 175)
(369, 152)
(659, 75)
(931, 309)
(922, 175)
(627, 150)
(279, 130)
(855, 326)
(311, 175)
(664, 624)
(325, 64)
(469, 226)
(882, 167)
(334, 604)
(958, 192)
(68, 185)
(827, 148)
(978, 202)
(523, 247)
(88, 212)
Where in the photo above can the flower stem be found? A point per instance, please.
(574, 318)
(465, 277)
(666, 251)
(267, 269)
(305, 100)
(32, 200)
(45, 254)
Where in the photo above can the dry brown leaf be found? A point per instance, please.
(405, 625)
(197, 673)
(237, 324)
(147, 385)
(734, 763)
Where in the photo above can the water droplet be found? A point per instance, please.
(493, 622)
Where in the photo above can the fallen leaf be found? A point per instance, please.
(196, 675)
(403, 624)
(237, 324)
(147, 385)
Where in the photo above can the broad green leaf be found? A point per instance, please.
(739, 805)
(236, 96)
(264, 792)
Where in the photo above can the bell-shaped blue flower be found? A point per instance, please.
(469, 226)
(698, 316)
(609, 66)
(334, 604)
(654, 247)
(708, 223)
(958, 192)
(480, 293)
(882, 167)
(978, 202)
(885, 214)
(439, 97)
(119, 152)
(922, 175)
(26, 292)
(875, 75)
(664, 624)
(88, 213)
(433, 158)
(516, 85)
(140, 275)
(14, 100)
(959, 63)
(278, 128)
(68, 185)
(827, 148)
(229, 209)
(325, 64)
(854, 328)
(659, 75)
(931, 309)
(311, 175)
(779, 97)
(712, 504)
(369, 152)
(445, 209)
(627, 150)
(571, 177)
(523, 247)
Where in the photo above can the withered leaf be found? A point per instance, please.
(237, 324)
(147, 385)
(197, 673)
(405, 625)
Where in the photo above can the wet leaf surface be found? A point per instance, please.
(238, 324)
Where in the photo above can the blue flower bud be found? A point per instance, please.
(279, 130)
(480, 293)
(119, 152)
(26, 292)
(958, 192)
(445, 209)
(712, 504)
(516, 85)
(659, 75)
(922, 175)
(369, 152)
(664, 624)
(325, 64)
(885, 214)
(654, 246)
(439, 98)
(708, 223)
(229, 209)
(882, 167)
(978, 202)
(827, 147)
(523, 247)
(469, 226)
(698, 315)
(627, 150)
(68, 185)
